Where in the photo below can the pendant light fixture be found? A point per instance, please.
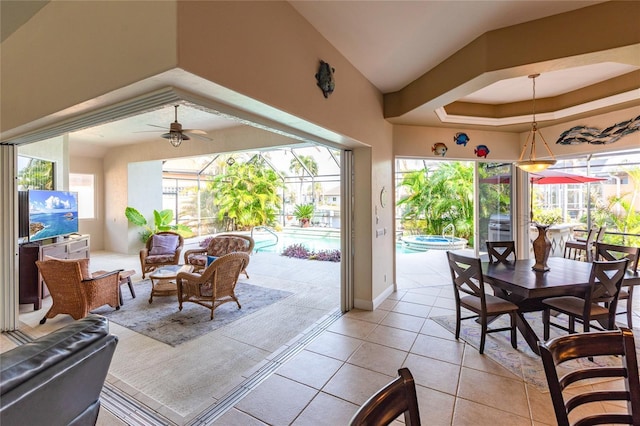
(532, 164)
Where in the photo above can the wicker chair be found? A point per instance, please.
(75, 291)
(216, 285)
(219, 245)
(151, 259)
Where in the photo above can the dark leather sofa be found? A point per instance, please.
(57, 379)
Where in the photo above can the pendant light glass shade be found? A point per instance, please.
(175, 138)
(532, 164)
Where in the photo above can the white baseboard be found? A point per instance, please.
(371, 305)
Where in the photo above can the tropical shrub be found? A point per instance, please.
(247, 194)
(161, 222)
(439, 197)
(300, 251)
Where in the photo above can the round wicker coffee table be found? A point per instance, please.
(163, 280)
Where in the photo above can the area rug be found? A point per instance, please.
(522, 362)
(161, 319)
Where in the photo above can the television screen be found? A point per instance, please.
(52, 213)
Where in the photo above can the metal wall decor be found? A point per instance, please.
(326, 81)
(461, 138)
(481, 151)
(583, 134)
(439, 149)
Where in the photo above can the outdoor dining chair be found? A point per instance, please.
(613, 252)
(581, 249)
(585, 403)
(469, 291)
(397, 398)
(501, 251)
(605, 281)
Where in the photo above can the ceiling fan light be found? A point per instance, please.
(175, 138)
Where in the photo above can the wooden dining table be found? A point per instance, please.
(520, 284)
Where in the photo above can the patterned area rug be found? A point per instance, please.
(161, 319)
(522, 362)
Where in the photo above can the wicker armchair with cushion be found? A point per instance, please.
(162, 249)
(219, 245)
(216, 285)
(74, 290)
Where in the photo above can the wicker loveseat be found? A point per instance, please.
(218, 246)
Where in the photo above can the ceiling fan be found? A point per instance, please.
(177, 134)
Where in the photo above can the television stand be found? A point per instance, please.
(32, 288)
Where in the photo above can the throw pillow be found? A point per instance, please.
(210, 260)
(163, 244)
(84, 265)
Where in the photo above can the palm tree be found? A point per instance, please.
(38, 174)
(301, 165)
(247, 193)
(441, 197)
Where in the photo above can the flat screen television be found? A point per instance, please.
(52, 214)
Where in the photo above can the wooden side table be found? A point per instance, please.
(163, 280)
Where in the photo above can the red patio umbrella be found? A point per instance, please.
(551, 177)
(546, 177)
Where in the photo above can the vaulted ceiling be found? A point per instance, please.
(451, 63)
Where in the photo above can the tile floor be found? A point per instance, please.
(362, 350)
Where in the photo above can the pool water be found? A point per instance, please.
(264, 243)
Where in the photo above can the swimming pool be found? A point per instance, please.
(433, 242)
(265, 243)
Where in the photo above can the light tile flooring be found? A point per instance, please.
(325, 382)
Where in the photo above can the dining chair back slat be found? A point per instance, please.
(395, 399)
(605, 281)
(501, 251)
(619, 343)
(469, 292)
(614, 252)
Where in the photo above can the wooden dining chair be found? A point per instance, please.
(570, 347)
(501, 251)
(580, 249)
(605, 281)
(613, 252)
(397, 398)
(469, 292)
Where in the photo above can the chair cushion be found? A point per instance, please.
(219, 246)
(198, 260)
(211, 259)
(161, 258)
(574, 305)
(84, 265)
(494, 304)
(164, 244)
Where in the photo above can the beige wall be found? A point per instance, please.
(75, 57)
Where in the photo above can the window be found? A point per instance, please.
(83, 184)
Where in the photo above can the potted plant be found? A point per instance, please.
(304, 212)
